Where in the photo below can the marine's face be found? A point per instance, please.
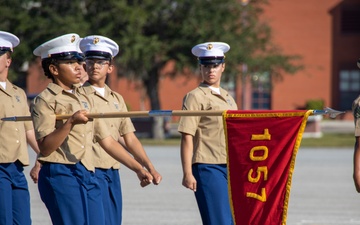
(211, 74)
(5, 62)
(67, 72)
(84, 75)
(97, 69)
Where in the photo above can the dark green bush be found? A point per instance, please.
(315, 104)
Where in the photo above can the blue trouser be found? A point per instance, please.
(71, 194)
(212, 193)
(14, 195)
(109, 180)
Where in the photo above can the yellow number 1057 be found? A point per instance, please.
(262, 169)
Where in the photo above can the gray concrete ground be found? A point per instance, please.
(322, 192)
(337, 126)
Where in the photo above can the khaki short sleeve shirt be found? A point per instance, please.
(208, 131)
(13, 144)
(78, 145)
(111, 102)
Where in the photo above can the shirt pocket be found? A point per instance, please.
(211, 106)
(61, 108)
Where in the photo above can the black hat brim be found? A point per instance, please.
(68, 56)
(98, 55)
(211, 60)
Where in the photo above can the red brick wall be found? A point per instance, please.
(311, 29)
(303, 28)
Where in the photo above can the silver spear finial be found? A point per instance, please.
(328, 111)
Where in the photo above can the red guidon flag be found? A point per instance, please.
(262, 147)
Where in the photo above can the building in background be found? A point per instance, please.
(326, 33)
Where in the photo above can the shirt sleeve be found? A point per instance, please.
(126, 125)
(189, 124)
(27, 124)
(100, 130)
(43, 117)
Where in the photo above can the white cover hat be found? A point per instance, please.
(62, 47)
(97, 46)
(210, 52)
(8, 41)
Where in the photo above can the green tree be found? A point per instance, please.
(35, 22)
(152, 33)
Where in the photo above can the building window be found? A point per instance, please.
(350, 20)
(349, 87)
(261, 91)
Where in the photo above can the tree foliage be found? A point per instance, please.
(151, 33)
(35, 22)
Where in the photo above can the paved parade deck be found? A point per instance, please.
(322, 192)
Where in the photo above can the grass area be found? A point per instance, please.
(327, 140)
(330, 140)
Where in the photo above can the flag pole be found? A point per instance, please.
(151, 113)
(328, 111)
(331, 112)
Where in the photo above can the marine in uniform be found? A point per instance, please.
(356, 113)
(14, 140)
(203, 147)
(99, 53)
(67, 182)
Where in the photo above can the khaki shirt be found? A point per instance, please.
(356, 113)
(112, 102)
(78, 145)
(13, 144)
(208, 131)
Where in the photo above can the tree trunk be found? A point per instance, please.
(152, 90)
